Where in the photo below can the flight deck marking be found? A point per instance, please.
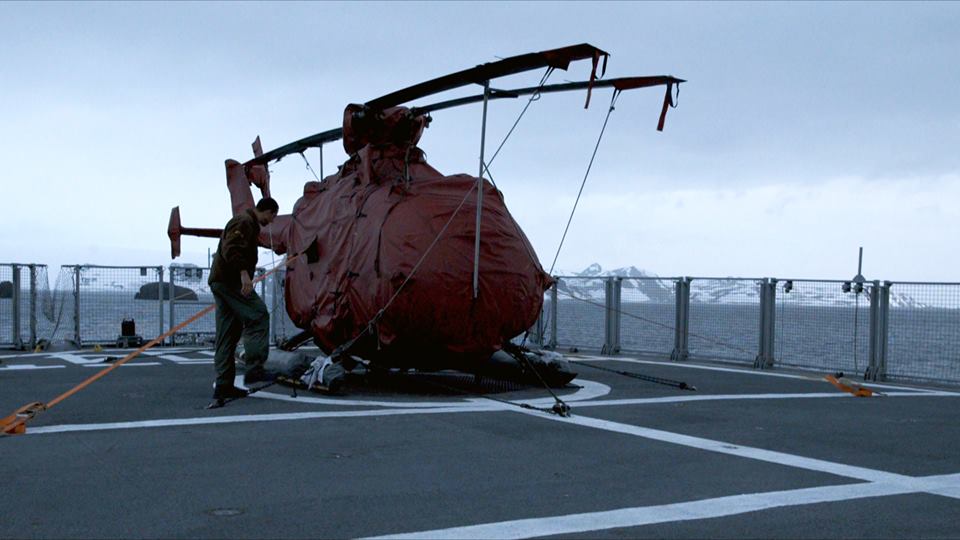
(246, 418)
(588, 390)
(471, 405)
(685, 511)
(736, 397)
(878, 484)
(721, 447)
(28, 366)
(744, 372)
(178, 359)
(129, 364)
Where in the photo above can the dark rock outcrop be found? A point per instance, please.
(152, 291)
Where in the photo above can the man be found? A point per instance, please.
(240, 311)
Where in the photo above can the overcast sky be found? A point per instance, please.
(805, 130)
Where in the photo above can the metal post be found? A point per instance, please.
(538, 329)
(271, 307)
(759, 360)
(883, 341)
(879, 318)
(476, 234)
(772, 324)
(321, 161)
(617, 288)
(768, 304)
(160, 297)
(15, 297)
(172, 298)
(33, 307)
(681, 328)
(608, 317)
(552, 344)
(873, 348)
(76, 306)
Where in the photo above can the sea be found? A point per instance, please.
(923, 344)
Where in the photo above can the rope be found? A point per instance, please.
(649, 378)
(218, 403)
(533, 97)
(309, 168)
(662, 325)
(613, 100)
(560, 408)
(15, 423)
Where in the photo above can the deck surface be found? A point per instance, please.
(751, 454)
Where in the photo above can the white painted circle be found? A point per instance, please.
(588, 390)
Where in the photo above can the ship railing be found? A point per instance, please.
(23, 290)
(878, 330)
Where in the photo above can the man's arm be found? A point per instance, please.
(246, 284)
(236, 238)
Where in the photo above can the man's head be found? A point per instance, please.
(266, 211)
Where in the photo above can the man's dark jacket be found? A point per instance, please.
(237, 250)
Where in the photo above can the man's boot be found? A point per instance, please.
(221, 392)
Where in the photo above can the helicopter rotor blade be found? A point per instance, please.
(319, 139)
(623, 83)
(555, 58)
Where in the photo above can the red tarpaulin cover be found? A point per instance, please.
(373, 221)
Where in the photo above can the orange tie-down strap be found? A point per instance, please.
(16, 423)
(847, 385)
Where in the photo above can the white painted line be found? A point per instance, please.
(737, 397)
(208, 353)
(195, 362)
(671, 513)
(749, 452)
(211, 420)
(28, 366)
(129, 364)
(743, 371)
(89, 352)
(588, 390)
(77, 359)
(175, 358)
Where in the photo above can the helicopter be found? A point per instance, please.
(394, 262)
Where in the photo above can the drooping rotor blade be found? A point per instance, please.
(555, 58)
(297, 147)
(623, 83)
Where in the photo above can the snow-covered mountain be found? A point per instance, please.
(642, 286)
(589, 283)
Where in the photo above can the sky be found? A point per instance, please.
(805, 130)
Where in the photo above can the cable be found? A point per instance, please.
(613, 100)
(309, 168)
(533, 97)
(662, 325)
(649, 378)
(559, 408)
